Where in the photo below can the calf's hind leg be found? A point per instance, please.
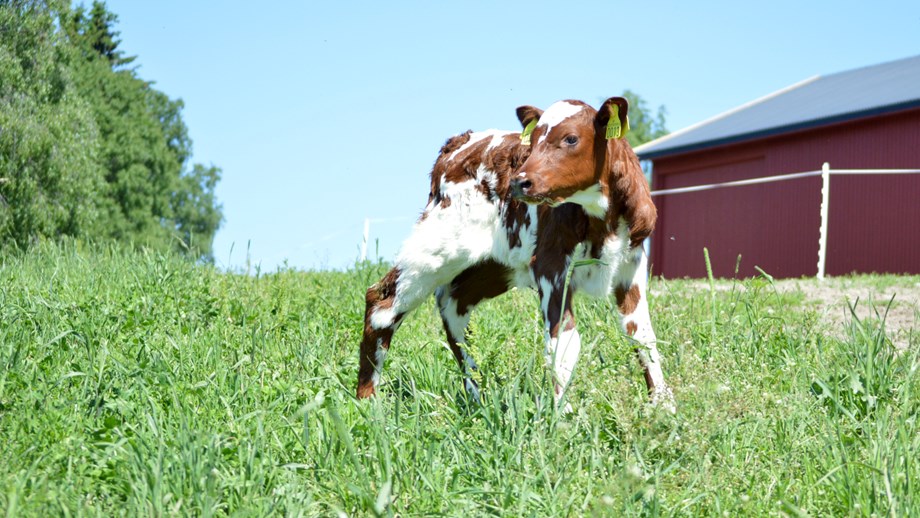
(387, 302)
(456, 302)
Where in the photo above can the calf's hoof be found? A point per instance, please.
(472, 389)
(663, 398)
(365, 390)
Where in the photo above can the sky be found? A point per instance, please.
(324, 114)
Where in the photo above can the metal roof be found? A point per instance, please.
(816, 101)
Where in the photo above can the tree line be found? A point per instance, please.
(87, 147)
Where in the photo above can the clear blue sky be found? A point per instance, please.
(324, 113)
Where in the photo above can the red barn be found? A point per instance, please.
(868, 118)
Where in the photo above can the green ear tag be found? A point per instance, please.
(614, 130)
(525, 135)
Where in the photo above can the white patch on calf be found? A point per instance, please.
(382, 318)
(487, 176)
(637, 275)
(591, 200)
(456, 323)
(518, 257)
(546, 289)
(555, 114)
(596, 280)
(449, 240)
(497, 138)
(561, 356)
(379, 358)
(480, 135)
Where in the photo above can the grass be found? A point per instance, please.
(140, 384)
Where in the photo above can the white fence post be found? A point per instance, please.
(822, 239)
(367, 233)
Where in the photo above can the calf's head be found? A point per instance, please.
(569, 147)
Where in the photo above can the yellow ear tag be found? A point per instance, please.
(525, 135)
(614, 128)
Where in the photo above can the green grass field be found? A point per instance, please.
(141, 384)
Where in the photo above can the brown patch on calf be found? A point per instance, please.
(559, 230)
(504, 160)
(515, 218)
(454, 143)
(485, 280)
(441, 165)
(379, 296)
(627, 300)
(501, 160)
(465, 164)
(631, 328)
(382, 293)
(365, 389)
(475, 284)
(630, 192)
(567, 322)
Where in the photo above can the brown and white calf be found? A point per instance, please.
(505, 211)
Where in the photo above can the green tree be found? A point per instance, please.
(94, 33)
(141, 170)
(644, 126)
(87, 147)
(197, 213)
(50, 179)
(145, 145)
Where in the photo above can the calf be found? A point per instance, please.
(510, 209)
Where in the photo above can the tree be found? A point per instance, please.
(145, 145)
(643, 125)
(87, 147)
(94, 34)
(197, 213)
(50, 179)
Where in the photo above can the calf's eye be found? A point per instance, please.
(570, 140)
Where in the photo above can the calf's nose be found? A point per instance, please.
(520, 186)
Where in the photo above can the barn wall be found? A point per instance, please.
(874, 222)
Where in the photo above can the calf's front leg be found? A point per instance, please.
(380, 322)
(632, 305)
(562, 341)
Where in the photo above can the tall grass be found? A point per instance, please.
(141, 384)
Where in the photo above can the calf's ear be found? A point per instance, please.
(612, 118)
(528, 115)
(626, 179)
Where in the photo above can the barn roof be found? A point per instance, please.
(816, 101)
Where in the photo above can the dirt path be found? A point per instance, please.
(833, 295)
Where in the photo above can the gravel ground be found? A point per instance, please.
(870, 294)
(834, 295)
